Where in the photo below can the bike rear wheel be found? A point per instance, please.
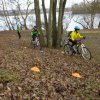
(86, 54)
(68, 49)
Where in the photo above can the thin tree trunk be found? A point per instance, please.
(45, 19)
(12, 27)
(60, 18)
(7, 22)
(26, 15)
(54, 26)
(38, 21)
(50, 24)
(64, 4)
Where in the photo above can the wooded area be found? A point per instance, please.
(38, 61)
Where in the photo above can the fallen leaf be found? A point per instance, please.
(76, 75)
(65, 64)
(35, 69)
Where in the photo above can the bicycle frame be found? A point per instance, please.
(81, 49)
(36, 42)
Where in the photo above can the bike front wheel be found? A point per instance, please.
(86, 54)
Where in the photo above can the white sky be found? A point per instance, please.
(47, 3)
(68, 4)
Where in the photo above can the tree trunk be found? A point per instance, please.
(45, 19)
(60, 23)
(54, 26)
(6, 19)
(99, 25)
(38, 21)
(50, 25)
(26, 14)
(7, 13)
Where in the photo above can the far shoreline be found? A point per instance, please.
(82, 31)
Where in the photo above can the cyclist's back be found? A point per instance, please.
(68, 34)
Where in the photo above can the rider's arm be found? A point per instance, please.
(80, 36)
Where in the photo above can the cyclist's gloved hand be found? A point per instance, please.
(84, 37)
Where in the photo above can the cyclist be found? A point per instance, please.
(74, 36)
(18, 30)
(34, 33)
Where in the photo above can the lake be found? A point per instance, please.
(66, 20)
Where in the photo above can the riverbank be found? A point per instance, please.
(82, 31)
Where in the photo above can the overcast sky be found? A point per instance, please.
(47, 3)
(69, 2)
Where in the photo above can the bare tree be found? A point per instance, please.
(54, 24)
(89, 7)
(25, 16)
(8, 15)
(38, 21)
(60, 24)
(69, 19)
(45, 20)
(50, 24)
(5, 15)
(55, 30)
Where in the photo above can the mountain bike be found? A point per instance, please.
(81, 50)
(35, 43)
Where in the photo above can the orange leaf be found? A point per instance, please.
(35, 69)
(76, 75)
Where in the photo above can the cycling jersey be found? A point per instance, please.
(73, 36)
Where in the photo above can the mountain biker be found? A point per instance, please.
(34, 33)
(74, 36)
(18, 30)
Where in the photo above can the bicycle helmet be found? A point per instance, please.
(35, 28)
(77, 28)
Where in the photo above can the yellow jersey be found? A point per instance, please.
(74, 35)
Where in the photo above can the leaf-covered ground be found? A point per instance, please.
(54, 81)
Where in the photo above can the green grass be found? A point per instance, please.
(93, 43)
(7, 76)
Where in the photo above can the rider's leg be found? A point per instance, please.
(33, 37)
(74, 45)
(19, 35)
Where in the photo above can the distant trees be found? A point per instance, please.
(15, 5)
(91, 8)
(25, 16)
(86, 7)
(6, 15)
